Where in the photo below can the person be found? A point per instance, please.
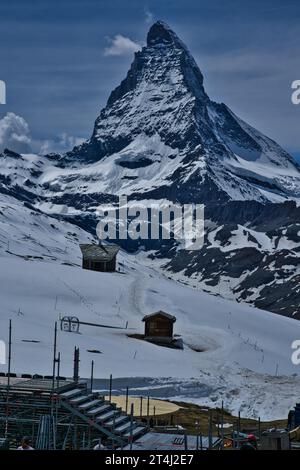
(99, 446)
(25, 444)
(250, 443)
(253, 441)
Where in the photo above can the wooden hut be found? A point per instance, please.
(99, 257)
(159, 327)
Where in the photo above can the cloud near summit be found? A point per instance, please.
(15, 134)
(120, 45)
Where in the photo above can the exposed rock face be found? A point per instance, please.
(256, 261)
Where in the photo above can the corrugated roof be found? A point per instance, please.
(164, 441)
(99, 253)
(161, 313)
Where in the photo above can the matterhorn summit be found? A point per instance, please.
(159, 129)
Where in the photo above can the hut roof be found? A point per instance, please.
(161, 314)
(99, 252)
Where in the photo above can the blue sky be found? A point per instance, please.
(52, 57)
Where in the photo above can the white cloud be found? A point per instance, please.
(149, 16)
(63, 143)
(14, 134)
(120, 45)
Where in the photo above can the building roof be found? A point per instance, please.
(99, 252)
(165, 441)
(161, 314)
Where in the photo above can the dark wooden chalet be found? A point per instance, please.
(159, 326)
(99, 257)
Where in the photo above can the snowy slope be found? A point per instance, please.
(245, 358)
(29, 234)
(244, 348)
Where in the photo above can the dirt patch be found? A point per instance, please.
(189, 414)
(156, 407)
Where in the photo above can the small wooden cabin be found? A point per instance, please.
(159, 326)
(99, 257)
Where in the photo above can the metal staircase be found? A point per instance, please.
(102, 415)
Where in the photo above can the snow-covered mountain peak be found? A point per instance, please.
(218, 156)
(162, 37)
(160, 32)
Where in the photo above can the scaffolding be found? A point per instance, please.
(59, 414)
(68, 417)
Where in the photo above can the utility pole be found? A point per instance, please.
(8, 376)
(210, 430)
(9, 356)
(55, 360)
(76, 364)
(58, 370)
(222, 425)
(197, 438)
(141, 407)
(92, 376)
(126, 401)
(131, 425)
(110, 386)
(148, 409)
